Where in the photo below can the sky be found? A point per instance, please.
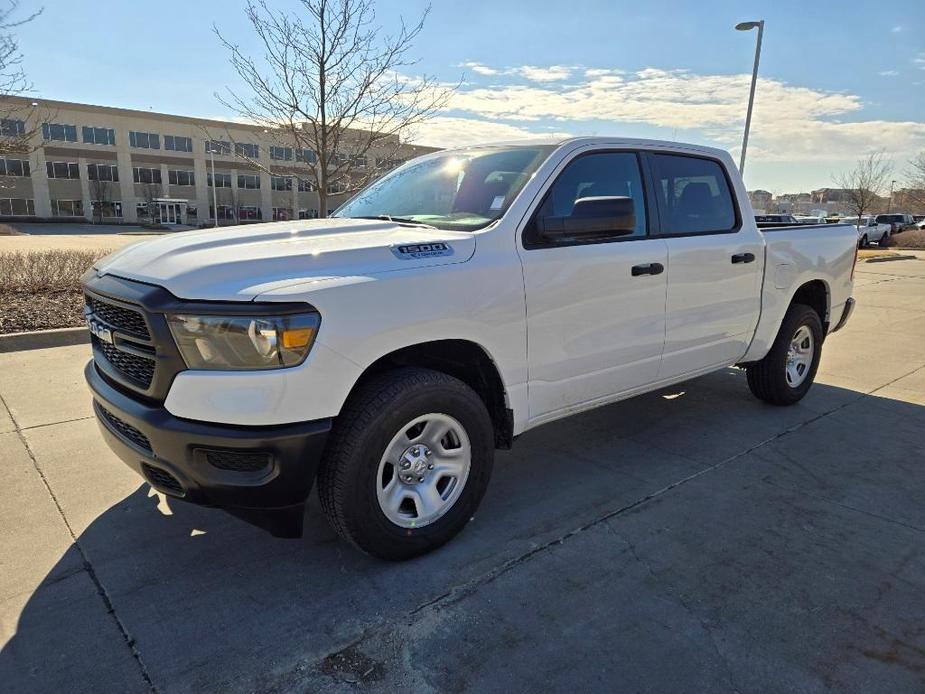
(837, 80)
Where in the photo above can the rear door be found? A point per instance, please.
(715, 264)
(595, 309)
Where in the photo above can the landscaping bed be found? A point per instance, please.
(40, 290)
(914, 239)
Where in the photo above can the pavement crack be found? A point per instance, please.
(51, 424)
(85, 560)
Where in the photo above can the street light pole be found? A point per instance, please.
(748, 26)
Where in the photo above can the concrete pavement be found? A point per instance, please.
(688, 540)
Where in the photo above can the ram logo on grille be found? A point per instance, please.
(422, 250)
(101, 331)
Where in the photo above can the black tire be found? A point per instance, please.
(883, 239)
(864, 242)
(347, 478)
(767, 378)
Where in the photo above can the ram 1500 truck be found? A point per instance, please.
(462, 299)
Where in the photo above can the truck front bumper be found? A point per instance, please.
(262, 474)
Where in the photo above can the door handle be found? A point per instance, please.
(743, 258)
(648, 269)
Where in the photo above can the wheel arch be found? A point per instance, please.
(817, 296)
(463, 359)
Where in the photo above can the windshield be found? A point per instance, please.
(460, 190)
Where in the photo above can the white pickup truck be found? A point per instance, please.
(452, 305)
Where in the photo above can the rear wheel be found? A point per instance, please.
(883, 239)
(864, 242)
(408, 463)
(786, 373)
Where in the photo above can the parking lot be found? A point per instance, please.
(692, 539)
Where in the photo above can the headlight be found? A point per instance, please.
(244, 342)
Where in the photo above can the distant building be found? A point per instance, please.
(121, 164)
(760, 199)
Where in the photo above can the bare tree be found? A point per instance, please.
(150, 193)
(18, 120)
(330, 83)
(101, 195)
(864, 183)
(915, 180)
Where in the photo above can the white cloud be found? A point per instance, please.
(446, 131)
(790, 122)
(888, 73)
(480, 69)
(919, 61)
(898, 28)
(553, 73)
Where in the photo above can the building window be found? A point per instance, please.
(218, 147)
(15, 167)
(306, 186)
(358, 162)
(391, 163)
(99, 136)
(102, 172)
(243, 149)
(141, 209)
(177, 143)
(181, 178)
(222, 180)
(17, 207)
(339, 159)
(306, 155)
(144, 140)
(144, 175)
(109, 209)
(249, 212)
(249, 181)
(192, 214)
(282, 214)
(281, 182)
(62, 169)
(59, 131)
(10, 127)
(67, 208)
(308, 214)
(337, 187)
(224, 212)
(281, 153)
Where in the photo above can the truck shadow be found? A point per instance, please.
(208, 602)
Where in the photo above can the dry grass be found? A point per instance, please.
(40, 290)
(874, 253)
(914, 239)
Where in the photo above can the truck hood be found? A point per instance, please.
(240, 262)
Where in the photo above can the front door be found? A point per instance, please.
(716, 262)
(595, 326)
(170, 213)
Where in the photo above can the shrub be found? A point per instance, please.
(913, 239)
(7, 230)
(42, 271)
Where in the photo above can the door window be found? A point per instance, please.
(602, 174)
(694, 195)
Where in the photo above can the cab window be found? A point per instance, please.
(694, 195)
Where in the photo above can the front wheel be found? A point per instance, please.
(408, 463)
(786, 373)
(864, 242)
(883, 239)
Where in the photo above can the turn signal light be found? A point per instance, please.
(297, 337)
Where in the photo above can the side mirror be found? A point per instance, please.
(614, 215)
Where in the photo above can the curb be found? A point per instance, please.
(43, 339)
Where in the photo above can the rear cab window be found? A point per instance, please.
(694, 195)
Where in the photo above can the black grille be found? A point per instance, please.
(162, 480)
(140, 370)
(124, 429)
(237, 461)
(119, 317)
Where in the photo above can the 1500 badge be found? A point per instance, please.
(422, 250)
(98, 329)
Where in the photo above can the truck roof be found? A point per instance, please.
(601, 140)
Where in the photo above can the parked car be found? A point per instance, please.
(776, 219)
(869, 229)
(920, 224)
(897, 221)
(464, 298)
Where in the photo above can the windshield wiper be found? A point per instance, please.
(397, 220)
